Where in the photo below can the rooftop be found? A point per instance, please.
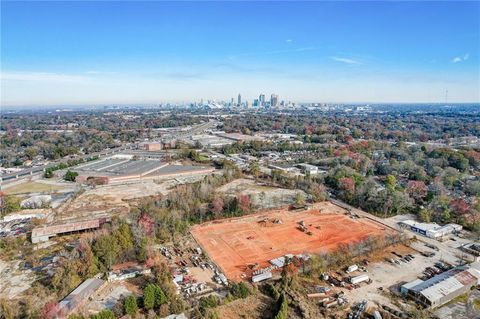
(448, 282)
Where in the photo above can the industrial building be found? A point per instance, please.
(40, 234)
(431, 230)
(308, 169)
(238, 137)
(117, 169)
(473, 249)
(152, 147)
(207, 140)
(124, 168)
(444, 287)
(158, 146)
(78, 297)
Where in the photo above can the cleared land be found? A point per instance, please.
(262, 196)
(32, 187)
(235, 243)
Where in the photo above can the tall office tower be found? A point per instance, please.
(231, 103)
(273, 100)
(255, 102)
(261, 99)
(239, 102)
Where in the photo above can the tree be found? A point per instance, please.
(9, 204)
(282, 305)
(347, 184)
(106, 249)
(239, 290)
(244, 203)
(31, 152)
(217, 205)
(149, 296)
(130, 306)
(70, 176)
(160, 297)
(460, 207)
(48, 172)
(318, 192)
(104, 314)
(390, 183)
(417, 190)
(425, 215)
(299, 199)
(50, 310)
(254, 169)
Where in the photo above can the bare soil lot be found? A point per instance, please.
(235, 243)
(251, 307)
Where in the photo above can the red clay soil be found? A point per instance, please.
(237, 242)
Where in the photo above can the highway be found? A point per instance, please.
(38, 169)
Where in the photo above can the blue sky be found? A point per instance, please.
(147, 52)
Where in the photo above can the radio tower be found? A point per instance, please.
(446, 97)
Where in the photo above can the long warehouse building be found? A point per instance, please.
(444, 287)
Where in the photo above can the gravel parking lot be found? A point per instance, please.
(386, 275)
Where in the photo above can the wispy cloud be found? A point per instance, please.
(345, 60)
(96, 72)
(184, 76)
(289, 40)
(273, 52)
(42, 76)
(461, 58)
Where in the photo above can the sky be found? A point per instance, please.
(120, 52)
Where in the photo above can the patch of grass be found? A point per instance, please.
(31, 187)
(476, 304)
(462, 298)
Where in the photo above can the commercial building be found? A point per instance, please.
(444, 287)
(40, 234)
(431, 230)
(273, 100)
(261, 100)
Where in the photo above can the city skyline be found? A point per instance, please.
(87, 53)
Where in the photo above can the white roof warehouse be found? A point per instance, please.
(431, 230)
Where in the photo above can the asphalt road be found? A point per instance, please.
(38, 169)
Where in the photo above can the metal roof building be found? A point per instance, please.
(76, 298)
(446, 286)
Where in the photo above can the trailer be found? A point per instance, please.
(352, 268)
(262, 276)
(358, 279)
